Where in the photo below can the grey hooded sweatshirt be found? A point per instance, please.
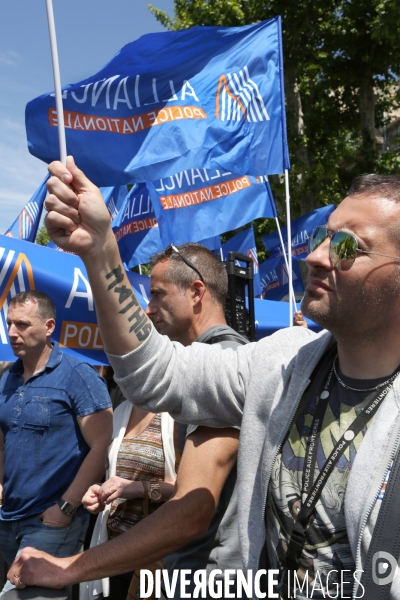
(259, 386)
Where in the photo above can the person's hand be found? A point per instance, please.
(91, 500)
(116, 487)
(77, 219)
(33, 567)
(299, 320)
(54, 517)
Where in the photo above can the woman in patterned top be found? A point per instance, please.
(142, 451)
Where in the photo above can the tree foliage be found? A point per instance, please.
(341, 61)
(42, 237)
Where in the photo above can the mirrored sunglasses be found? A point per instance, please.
(343, 247)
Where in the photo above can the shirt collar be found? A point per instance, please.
(54, 360)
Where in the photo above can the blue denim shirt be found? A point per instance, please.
(43, 444)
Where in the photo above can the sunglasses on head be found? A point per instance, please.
(343, 247)
(171, 248)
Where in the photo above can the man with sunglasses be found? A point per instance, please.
(188, 288)
(320, 413)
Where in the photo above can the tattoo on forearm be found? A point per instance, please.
(141, 327)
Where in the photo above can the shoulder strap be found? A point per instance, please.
(227, 337)
(384, 548)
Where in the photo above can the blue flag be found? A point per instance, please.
(200, 203)
(301, 231)
(26, 225)
(275, 281)
(209, 96)
(245, 243)
(136, 228)
(25, 266)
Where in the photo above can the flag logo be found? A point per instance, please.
(239, 96)
(252, 253)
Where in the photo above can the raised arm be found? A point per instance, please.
(78, 221)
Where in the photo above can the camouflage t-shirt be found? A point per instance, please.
(326, 563)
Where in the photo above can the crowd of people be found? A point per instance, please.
(313, 419)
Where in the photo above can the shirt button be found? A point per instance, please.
(22, 393)
(18, 409)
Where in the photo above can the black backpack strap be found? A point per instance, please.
(227, 337)
(384, 549)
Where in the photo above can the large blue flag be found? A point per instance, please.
(209, 96)
(301, 231)
(197, 204)
(25, 266)
(275, 281)
(26, 225)
(136, 228)
(245, 243)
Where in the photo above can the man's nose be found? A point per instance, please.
(320, 256)
(12, 330)
(150, 308)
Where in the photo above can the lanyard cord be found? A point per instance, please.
(298, 536)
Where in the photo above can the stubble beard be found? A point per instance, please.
(359, 319)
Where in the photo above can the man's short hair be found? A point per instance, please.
(384, 186)
(209, 265)
(46, 308)
(379, 186)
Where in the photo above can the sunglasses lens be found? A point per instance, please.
(318, 236)
(343, 250)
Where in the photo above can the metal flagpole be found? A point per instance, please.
(286, 260)
(57, 82)
(289, 239)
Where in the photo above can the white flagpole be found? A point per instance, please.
(286, 260)
(289, 237)
(140, 269)
(57, 83)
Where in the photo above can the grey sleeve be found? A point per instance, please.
(201, 384)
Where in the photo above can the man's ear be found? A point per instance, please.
(50, 326)
(199, 289)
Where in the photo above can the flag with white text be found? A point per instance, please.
(196, 204)
(136, 228)
(209, 96)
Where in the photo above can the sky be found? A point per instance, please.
(89, 33)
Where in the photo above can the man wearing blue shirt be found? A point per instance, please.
(56, 425)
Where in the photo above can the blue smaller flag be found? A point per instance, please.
(275, 281)
(26, 225)
(245, 243)
(200, 203)
(301, 231)
(136, 228)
